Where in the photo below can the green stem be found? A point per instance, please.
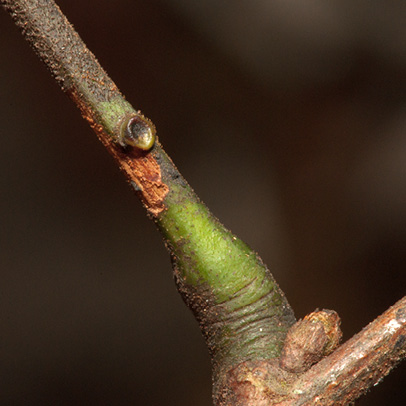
(242, 312)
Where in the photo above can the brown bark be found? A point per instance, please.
(360, 363)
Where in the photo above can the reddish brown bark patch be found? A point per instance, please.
(140, 167)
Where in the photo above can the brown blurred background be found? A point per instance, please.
(287, 117)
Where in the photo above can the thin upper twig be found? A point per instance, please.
(82, 78)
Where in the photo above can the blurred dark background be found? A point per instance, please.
(288, 119)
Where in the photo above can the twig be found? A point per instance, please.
(360, 363)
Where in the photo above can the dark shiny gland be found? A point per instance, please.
(137, 131)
